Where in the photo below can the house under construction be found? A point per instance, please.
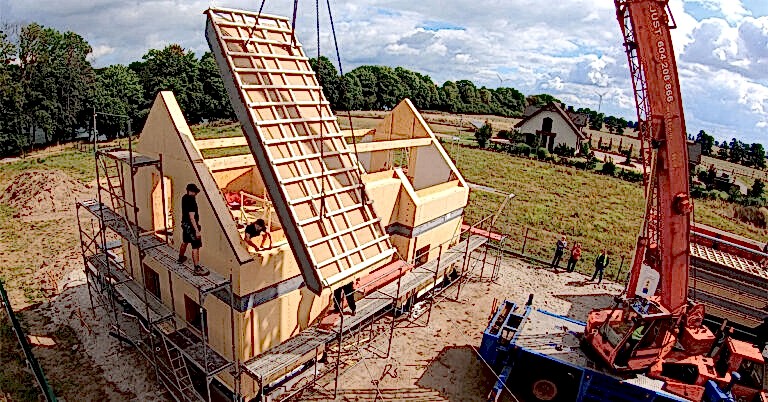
(380, 209)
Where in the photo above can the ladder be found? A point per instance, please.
(180, 373)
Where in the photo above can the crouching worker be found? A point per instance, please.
(253, 230)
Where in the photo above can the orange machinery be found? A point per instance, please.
(654, 328)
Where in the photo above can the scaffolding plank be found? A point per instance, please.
(133, 294)
(123, 155)
(193, 348)
(157, 249)
(280, 360)
(280, 104)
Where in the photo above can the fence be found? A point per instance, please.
(31, 360)
(538, 245)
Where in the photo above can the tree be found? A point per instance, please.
(118, 92)
(56, 80)
(723, 152)
(352, 93)
(756, 156)
(757, 190)
(172, 69)
(541, 100)
(737, 152)
(215, 103)
(12, 136)
(483, 134)
(450, 99)
(707, 142)
(329, 79)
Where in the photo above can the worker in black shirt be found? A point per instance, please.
(259, 227)
(190, 228)
(348, 291)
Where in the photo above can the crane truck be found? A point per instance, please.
(651, 344)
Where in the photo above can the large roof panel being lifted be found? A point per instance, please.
(309, 171)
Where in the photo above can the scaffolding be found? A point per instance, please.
(389, 291)
(115, 248)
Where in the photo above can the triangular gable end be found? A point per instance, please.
(166, 134)
(405, 122)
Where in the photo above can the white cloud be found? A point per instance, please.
(732, 10)
(571, 48)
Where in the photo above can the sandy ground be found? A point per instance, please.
(438, 361)
(434, 361)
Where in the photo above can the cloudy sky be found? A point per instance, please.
(569, 48)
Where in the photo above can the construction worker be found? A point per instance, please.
(562, 244)
(349, 292)
(761, 334)
(601, 263)
(259, 227)
(190, 229)
(626, 353)
(575, 257)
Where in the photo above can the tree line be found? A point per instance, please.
(49, 90)
(736, 151)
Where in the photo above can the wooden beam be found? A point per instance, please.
(230, 162)
(358, 132)
(225, 142)
(392, 144)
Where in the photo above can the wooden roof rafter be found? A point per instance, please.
(310, 172)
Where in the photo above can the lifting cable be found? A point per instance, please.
(323, 177)
(343, 96)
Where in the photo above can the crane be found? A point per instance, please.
(652, 342)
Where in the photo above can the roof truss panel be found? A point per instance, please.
(310, 173)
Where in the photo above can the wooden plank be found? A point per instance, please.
(230, 162)
(221, 143)
(392, 144)
(300, 108)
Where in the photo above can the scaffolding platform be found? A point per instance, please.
(285, 357)
(157, 249)
(124, 155)
(107, 268)
(133, 294)
(194, 349)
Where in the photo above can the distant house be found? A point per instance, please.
(550, 125)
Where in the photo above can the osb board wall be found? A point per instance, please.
(166, 133)
(272, 323)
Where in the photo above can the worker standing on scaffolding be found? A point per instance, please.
(259, 227)
(348, 291)
(190, 228)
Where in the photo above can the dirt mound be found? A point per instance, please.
(42, 193)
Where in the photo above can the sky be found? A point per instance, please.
(569, 48)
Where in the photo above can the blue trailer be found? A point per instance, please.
(538, 355)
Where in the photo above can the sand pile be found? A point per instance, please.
(42, 192)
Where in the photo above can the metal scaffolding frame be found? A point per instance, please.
(136, 316)
(387, 296)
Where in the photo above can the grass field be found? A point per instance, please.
(597, 210)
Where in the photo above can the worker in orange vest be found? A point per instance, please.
(575, 257)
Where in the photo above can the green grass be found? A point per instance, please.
(79, 165)
(228, 151)
(719, 214)
(216, 130)
(593, 209)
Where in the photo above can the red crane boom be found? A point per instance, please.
(664, 244)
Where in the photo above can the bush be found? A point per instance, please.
(542, 154)
(630, 175)
(521, 149)
(564, 150)
(609, 168)
(757, 216)
(483, 134)
(504, 134)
